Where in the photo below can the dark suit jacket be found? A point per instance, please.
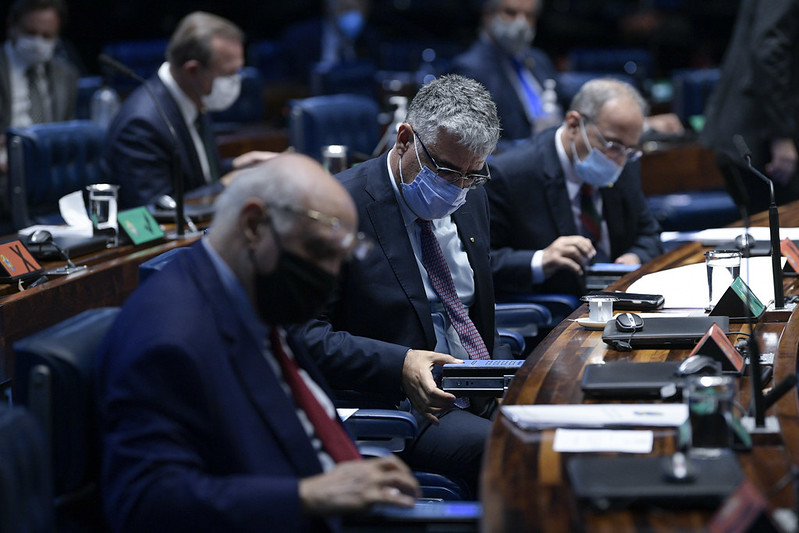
(530, 208)
(63, 83)
(484, 62)
(197, 433)
(381, 309)
(139, 149)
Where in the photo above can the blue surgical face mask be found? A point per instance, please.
(428, 196)
(351, 23)
(597, 169)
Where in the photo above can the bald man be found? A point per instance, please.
(211, 417)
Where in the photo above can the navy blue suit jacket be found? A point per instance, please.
(197, 433)
(484, 62)
(381, 309)
(139, 148)
(530, 208)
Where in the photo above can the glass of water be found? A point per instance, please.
(723, 266)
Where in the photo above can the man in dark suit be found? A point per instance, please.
(211, 418)
(573, 195)
(512, 71)
(204, 55)
(757, 97)
(391, 322)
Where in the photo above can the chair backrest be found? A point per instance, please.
(142, 56)
(692, 88)
(26, 491)
(47, 161)
(53, 377)
(346, 119)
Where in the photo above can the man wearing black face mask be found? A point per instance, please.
(424, 297)
(212, 418)
(572, 195)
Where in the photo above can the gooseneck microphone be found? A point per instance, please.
(773, 222)
(177, 173)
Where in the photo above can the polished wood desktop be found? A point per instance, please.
(525, 485)
(112, 274)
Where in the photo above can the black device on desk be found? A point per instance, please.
(73, 246)
(663, 331)
(631, 301)
(479, 377)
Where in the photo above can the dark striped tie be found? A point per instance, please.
(590, 217)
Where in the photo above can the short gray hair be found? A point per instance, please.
(594, 93)
(192, 38)
(461, 106)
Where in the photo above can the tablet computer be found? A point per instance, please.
(662, 331)
(631, 301)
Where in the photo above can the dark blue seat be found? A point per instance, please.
(635, 62)
(269, 58)
(142, 56)
(692, 88)
(347, 119)
(693, 210)
(352, 77)
(53, 378)
(47, 161)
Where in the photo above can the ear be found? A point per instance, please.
(252, 214)
(404, 139)
(192, 66)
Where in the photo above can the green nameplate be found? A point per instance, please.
(746, 295)
(139, 225)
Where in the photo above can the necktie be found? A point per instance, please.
(37, 111)
(204, 129)
(334, 439)
(533, 99)
(590, 217)
(441, 279)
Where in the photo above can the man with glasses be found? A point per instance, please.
(572, 195)
(212, 418)
(424, 296)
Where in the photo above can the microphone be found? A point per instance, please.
(773, 222)
(177, 174)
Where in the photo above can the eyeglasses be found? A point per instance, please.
(355, 244)
(614, 149)
(456, 177)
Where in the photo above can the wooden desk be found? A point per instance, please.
(112, 275)
(525, 485)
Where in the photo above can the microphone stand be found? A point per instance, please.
(176, 168)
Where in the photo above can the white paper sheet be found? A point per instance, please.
(596, 415)
(603, 440)
(713, 236)
(73, 211)
(686, 286)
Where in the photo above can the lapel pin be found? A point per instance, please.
(471, 239)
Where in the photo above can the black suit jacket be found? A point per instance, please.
(484, 62)
(530, 208)
(381, 309)
(139, 148)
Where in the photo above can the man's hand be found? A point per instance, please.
(628, 259)
(354, 486)
(418, 383)
(783, 160)
(252, 158)
(569, 252)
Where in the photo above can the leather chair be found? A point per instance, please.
(345, 119)
(533, 315)
(53, 378)
(47, 161)
(26, 491)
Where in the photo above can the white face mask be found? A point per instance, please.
(34, 49)
(224, 92)
(513, 37)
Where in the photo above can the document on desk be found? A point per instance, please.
(714, 236)
(603, 440)
(596, 415)
(686, 286)
(73, 210)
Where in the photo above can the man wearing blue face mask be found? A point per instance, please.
(201, 74)
(572, 195)
(424, 296)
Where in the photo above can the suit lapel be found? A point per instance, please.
(387, 223)
(555, 189)
(259, 382)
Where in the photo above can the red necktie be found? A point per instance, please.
(592, 221)
(441, 279)
(334, 439)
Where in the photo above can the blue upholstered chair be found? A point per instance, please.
(692, 88)
(47, 161)
(346, 119)
(142, 56)
(53, 370)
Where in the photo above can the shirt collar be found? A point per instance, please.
(186, 106)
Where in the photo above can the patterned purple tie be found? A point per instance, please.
(441, 279)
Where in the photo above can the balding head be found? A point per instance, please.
(290, 203)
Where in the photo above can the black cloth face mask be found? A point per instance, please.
(294, 292)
